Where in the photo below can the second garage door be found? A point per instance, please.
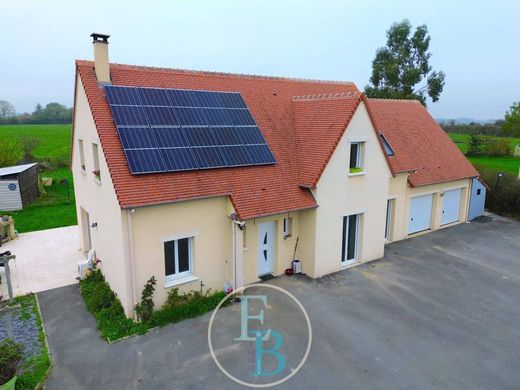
(451, 206)
(420, 213)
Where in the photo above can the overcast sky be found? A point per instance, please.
(476, 45)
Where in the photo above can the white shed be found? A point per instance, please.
(18, 186)
(516, 151)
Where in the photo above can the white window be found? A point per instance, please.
(357, 150)
(95, 155)
(287, 227)
(389, 219)
(178, 258)
(81, 154)
(349, 242)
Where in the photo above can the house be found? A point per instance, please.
(18, 186)
(208, 177)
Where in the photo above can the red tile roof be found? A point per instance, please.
(289, 129)
(419, 143)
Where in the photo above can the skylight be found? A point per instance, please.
(388, 149)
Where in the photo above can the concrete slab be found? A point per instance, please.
(45, 259)
(438, 311)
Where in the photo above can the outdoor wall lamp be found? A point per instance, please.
(94, 225)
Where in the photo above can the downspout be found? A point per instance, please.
(234, 255)
(132, 259)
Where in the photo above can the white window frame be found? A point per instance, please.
(81, 155)
(287, 227)
(170, 279)
(360, 158)
(344, 240)
(95, 154)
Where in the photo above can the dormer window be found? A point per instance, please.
(388, 149)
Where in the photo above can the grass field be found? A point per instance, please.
(506, 164)
(51, 210)
(54, 139)
(55, 208)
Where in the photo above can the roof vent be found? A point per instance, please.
(101, 65)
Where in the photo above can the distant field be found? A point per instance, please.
(462, 140)
(54, 139)
(507, 164)
(53, 209)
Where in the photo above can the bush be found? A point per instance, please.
(504, 196)
(144, 309)
(191, 304)
(498, 147)
(11, 355)
(112, 321)
(10, 151)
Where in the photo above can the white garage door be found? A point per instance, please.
(420, 213)
(451, 206)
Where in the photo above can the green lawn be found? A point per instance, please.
(54, 139)
(507, 164)
(52, 209)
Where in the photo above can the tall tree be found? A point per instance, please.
(402, 64)
(511, 126)
(6, 109)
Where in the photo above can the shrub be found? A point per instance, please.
(498, 147)
(476, 144)
(11, 153)
(11, 355)
(504, 196)
(96, 292)
(144, 309)
(191, 304)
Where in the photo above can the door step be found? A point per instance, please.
(265, 278)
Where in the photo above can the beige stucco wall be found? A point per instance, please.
(402, 192)
(99, 200)
(284, 251)
(339, 194)
(206, 220)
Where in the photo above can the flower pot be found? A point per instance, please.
(10, 385)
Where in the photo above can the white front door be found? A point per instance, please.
(420, 213)
(266, 248)
(451, 206)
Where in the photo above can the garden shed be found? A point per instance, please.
(18, 186)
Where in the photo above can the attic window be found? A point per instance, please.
(388, 149)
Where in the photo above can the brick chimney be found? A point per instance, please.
(100, 42)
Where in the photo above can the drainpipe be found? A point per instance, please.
(234, 255)
(132, 259)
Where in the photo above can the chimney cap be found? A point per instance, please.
(99, 38)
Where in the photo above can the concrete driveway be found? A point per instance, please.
(45, 259)
(439, 311)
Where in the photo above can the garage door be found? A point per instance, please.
(451, 206)
(420, 213)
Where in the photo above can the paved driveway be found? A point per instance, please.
(439, 311)
(45, 259)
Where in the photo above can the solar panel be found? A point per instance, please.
(164, 130)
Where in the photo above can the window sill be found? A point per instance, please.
(356, 173)
(179, 281)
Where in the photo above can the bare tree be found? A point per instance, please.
(6, 109)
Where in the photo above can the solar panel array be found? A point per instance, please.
(166, 130)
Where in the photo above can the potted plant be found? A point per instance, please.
(11, 355)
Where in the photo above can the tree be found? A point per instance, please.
(402, 64)
(475, 145)
(6, 109)
(511, 125)
(52, 113)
